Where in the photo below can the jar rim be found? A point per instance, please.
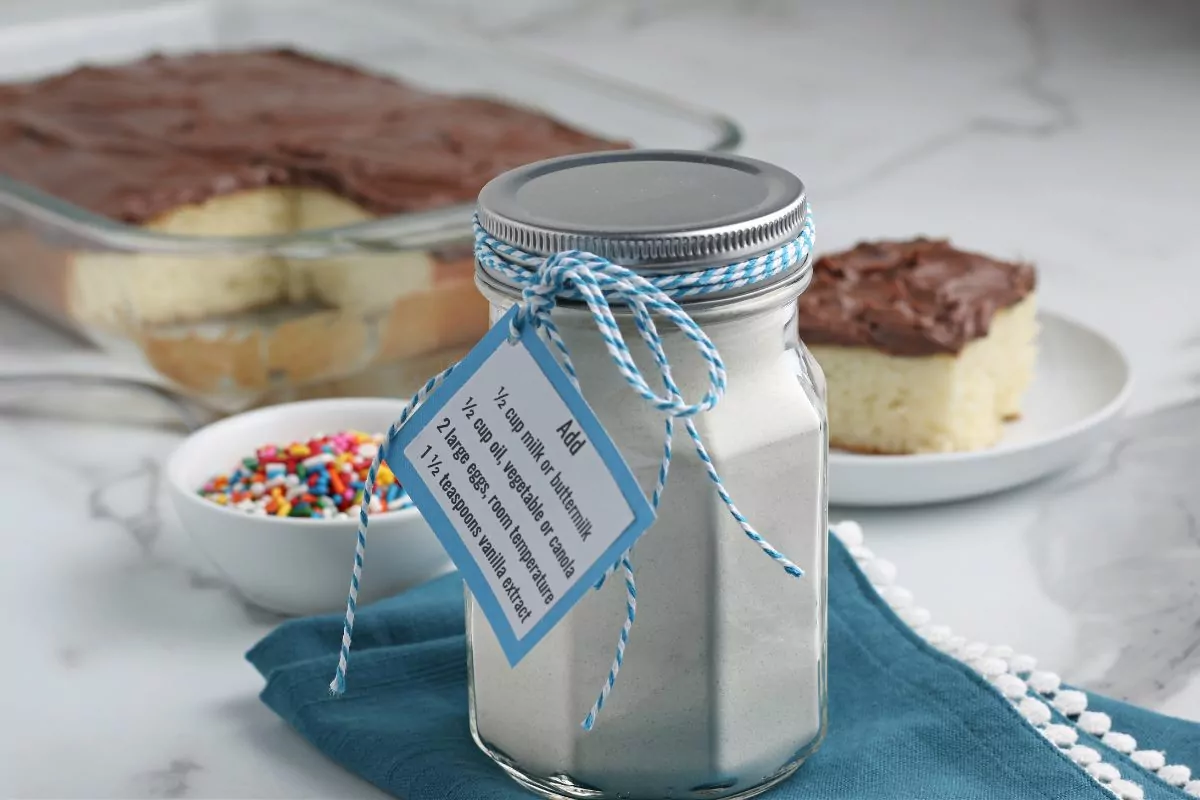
(653, 211)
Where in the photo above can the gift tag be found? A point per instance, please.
(521, 483)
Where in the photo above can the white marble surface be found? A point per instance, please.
(1061, 131)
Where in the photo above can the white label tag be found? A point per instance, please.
(521, 483)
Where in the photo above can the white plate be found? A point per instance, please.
(1080, 386)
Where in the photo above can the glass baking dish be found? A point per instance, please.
(372, 328)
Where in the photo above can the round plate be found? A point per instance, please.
(1080, 386)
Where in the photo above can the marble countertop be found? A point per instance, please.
(1062, 132)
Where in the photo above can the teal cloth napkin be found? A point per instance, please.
(905, 720)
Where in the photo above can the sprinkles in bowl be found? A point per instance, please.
(321, 478)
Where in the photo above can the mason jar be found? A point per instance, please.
(722, 688)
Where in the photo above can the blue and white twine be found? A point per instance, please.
(584, 277)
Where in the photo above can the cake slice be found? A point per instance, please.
(925, 348)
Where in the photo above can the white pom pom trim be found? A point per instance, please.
(1069, 702)
(1063, 735)
(896, 597)
(1103, 772)
(1175, 774)
(1152, 760)
(914, 616)
(1123, 743)
(849, 532)
(973, 650)
(1015, 678)
(861, 553)
(1126, 789)
(1020, 665)
(991, 667)
(1037, 712)
(1010, 686)
(1044, 682)
(878, 571)
(1097, 723)
(936, 634)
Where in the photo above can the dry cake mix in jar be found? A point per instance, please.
(718, 690)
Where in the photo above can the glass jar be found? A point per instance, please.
(722, 689)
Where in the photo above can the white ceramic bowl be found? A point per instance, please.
(295, 565)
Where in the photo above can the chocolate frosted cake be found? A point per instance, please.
(258, 143)
(925, 347)
(140, 141)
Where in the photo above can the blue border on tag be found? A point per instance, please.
(643, 515)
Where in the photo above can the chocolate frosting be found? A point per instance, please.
(908, 298)
(134, 141)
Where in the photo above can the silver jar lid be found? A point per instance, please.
(655, 211)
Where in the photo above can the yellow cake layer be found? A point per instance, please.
(880, 403)
(313, 321)
(155, 288)
(362, 281)
(124, 288)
